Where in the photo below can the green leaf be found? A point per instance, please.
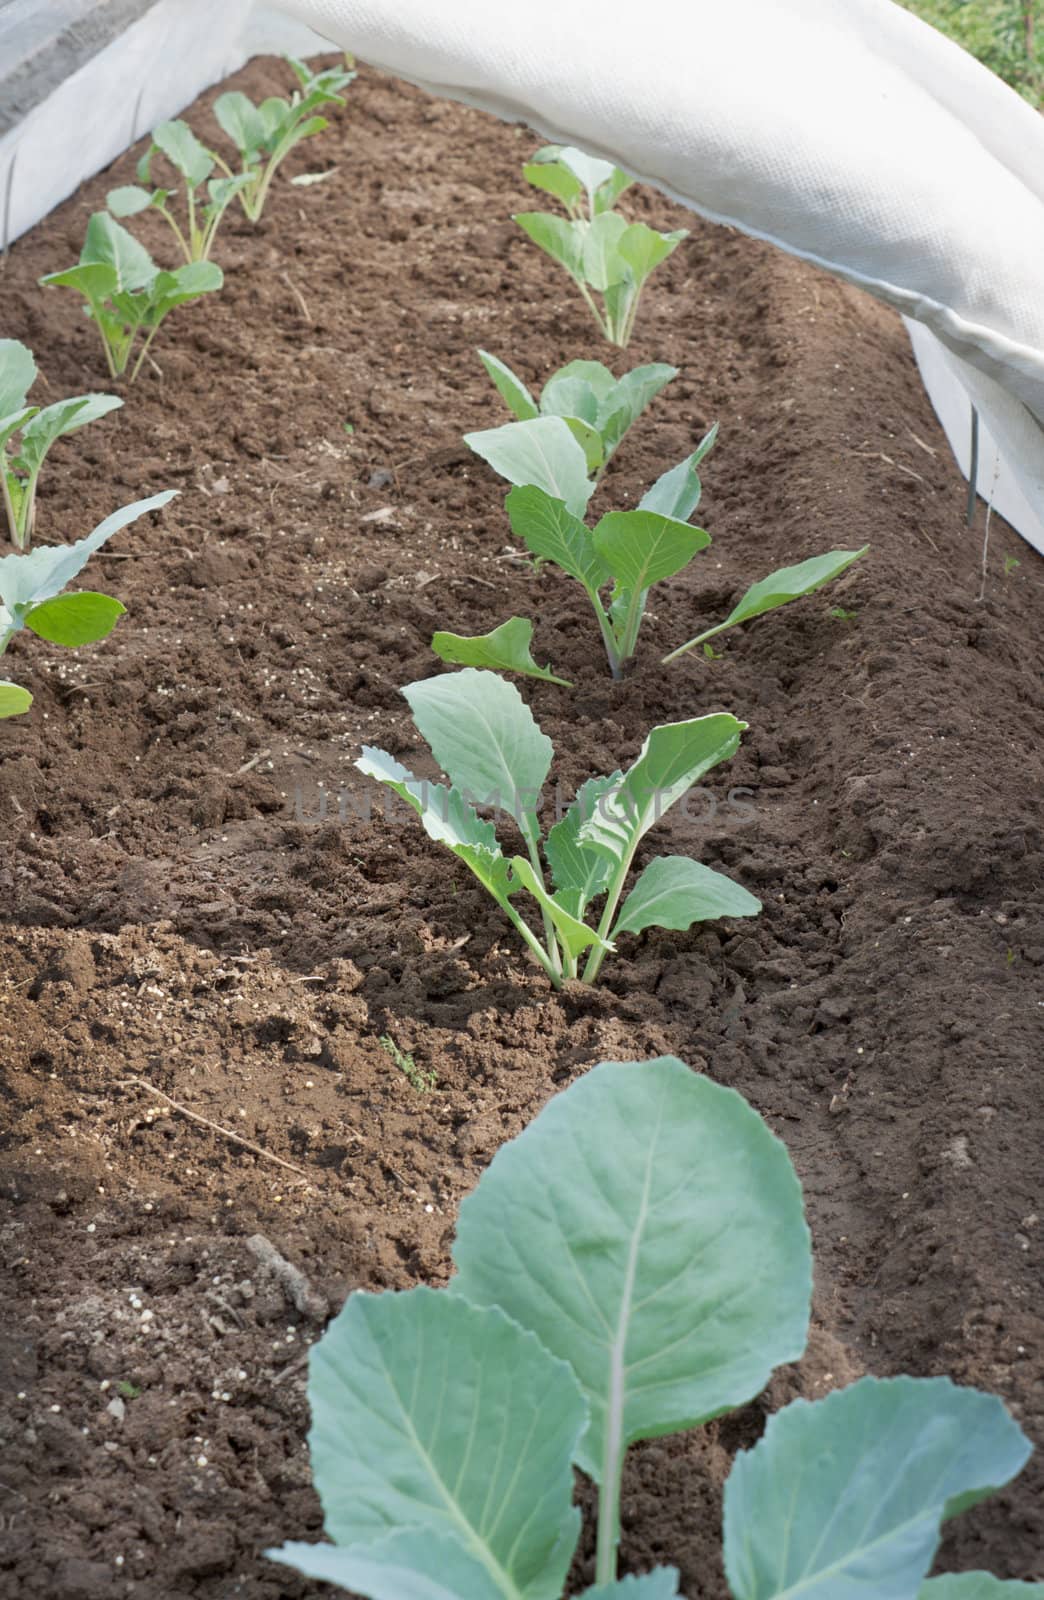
(676, 493)
(628, 398)
(576, 936)
(59, 419)
(503, 649)
(423, 1419)
(95, 280)
(642, 249)
(129, 200)
(675, 892)
(238, 117)
(612, 189)
(446, 816)
(603, 263)
(589, 440)
(648, 1228)
(791, 583)
(26, 580)
(542, 452)
(106, 244)
(569, 396)
(562, 240)
(510, 387)
(589, 171)
(14, 700)
(17, 375)
(411, 1564)
(594, 374)
(484, 736)
(554, 179)
(578, 873)
(978, 1586)
(641, 548)
(675, 755)
(660, 1584)
(845, 1497)
(277, 115)
(172, 289)
(9, 426)
(184, 151)
(549, 530)
(75, 619)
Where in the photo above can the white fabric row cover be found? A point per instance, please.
(845, 131)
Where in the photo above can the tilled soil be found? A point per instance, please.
(182, 920)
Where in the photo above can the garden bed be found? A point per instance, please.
(179, 917)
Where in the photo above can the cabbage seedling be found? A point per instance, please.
(126, 293)
(204, 207)
(598, 408)
(27, 432)
(265, 134)
(486, 740)
(31, 595)
(603, 253)
(635, 1263)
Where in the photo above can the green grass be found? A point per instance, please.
(1005, 35)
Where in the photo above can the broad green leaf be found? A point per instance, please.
(554, 179)
(675, 892)
(14, 700)
(510, 387)
(542, 452)
(446, 816)
(594, 373)
(603, 263)
(612, 189)
(647, 1227)
(642, 248)
(791, 583)
(844, 1497)
(276, 117)
(978, 1586)
(503, 649)
(628, 398)
(17, 375)
(184, 151)
(411, 1564)
(222, 191)
(549, 530)
(660, 1584)
(172, 289)
(128, 200)
(106, 244)
(641, 548)
(59, 419)
(675, 755)
(569, 396)
(95, 280)
(589, 440)
(590, 171)
(562, 240)
(576, 936)
(75, 619)
(578, 873)
(676, 493)
(26, 580)
(483, 734)
(423, 1419)
(238, 117)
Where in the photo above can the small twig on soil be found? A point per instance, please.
(298, 296)
(248, 766)
(299, 1291)
(917, 440)
(295, 1366)
(215, 1127)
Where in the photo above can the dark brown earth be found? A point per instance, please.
(170, 925)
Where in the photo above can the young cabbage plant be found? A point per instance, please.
(27, 432)
(126, 293)
(486, 740)
(603, 253)
(265, 134)
(598, 408)
(635, 1263)
(206, 198)
(31, 595)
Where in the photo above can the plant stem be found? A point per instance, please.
(533, 942)
(597, 956)
(143, 352)
(603, 326)
(172, 222)
(12, 519)
(608, 637)
(549, 927)
(701, 638)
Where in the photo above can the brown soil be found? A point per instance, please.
(169, 922)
